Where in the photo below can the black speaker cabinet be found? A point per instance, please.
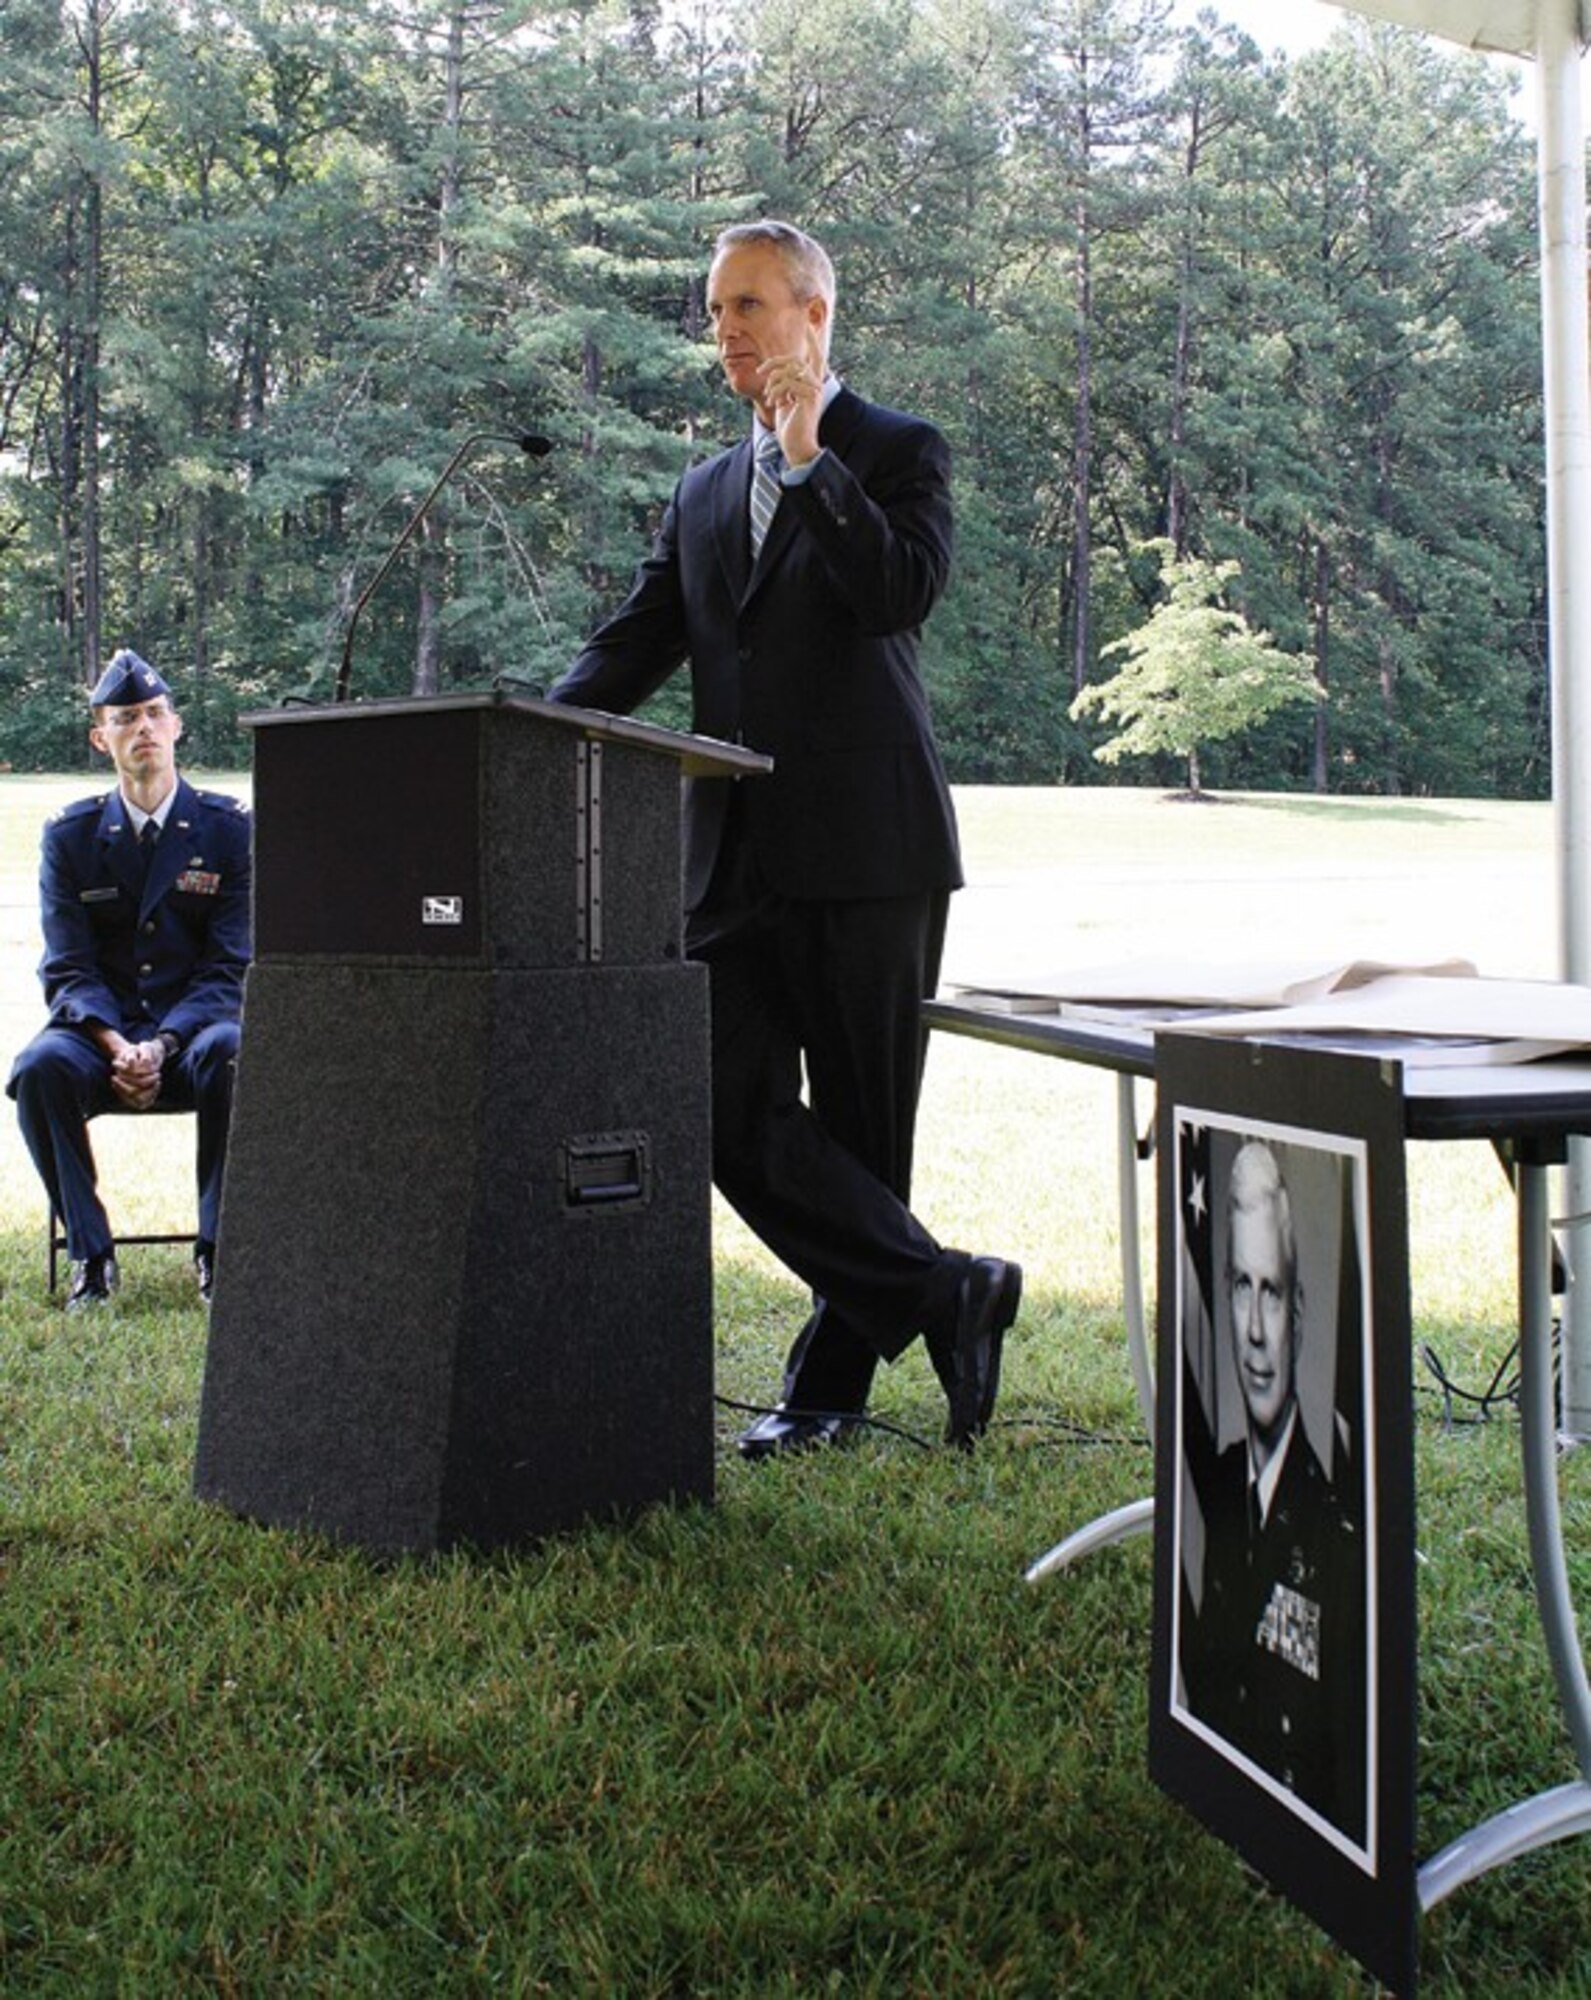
(464, 1288)
(475, 830)
(472, 1303)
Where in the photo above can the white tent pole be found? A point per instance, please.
(1566, 356)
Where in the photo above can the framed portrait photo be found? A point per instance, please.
(1283, 1666)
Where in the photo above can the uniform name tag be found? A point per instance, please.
(98, 895)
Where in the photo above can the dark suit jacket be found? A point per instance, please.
(142, 957)
(810, 657)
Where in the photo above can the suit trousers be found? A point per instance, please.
(833, 990)
(61, 1080)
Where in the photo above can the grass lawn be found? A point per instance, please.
(819, 1738)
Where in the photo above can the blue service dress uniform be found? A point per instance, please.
(162, 953)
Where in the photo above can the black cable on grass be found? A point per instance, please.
(1072, 1433)
(1500, 1393)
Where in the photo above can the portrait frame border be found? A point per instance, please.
(1363, 1893)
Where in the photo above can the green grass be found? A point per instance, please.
(819, 1738)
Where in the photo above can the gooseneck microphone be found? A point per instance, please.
(529, 442)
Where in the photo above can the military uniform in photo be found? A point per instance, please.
(1274, 1653)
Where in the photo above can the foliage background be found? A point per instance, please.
(265, 263)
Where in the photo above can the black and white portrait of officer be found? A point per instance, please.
(1274, 1614)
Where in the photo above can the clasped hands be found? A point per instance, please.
(135, 1073)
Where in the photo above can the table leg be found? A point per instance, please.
(1137, 1516)
(1565, 1810)
(1132, 1283)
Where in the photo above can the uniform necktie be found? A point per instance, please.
(146, 842)
(765, 488)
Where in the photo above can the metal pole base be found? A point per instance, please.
(1534, 1822)
(1120, 1525)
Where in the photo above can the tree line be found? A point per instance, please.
(266, 264)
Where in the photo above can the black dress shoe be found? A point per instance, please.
(204, 1268)
(93, 1281)
(991, 1291)
(785, 1430)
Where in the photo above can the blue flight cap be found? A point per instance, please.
(127, 681)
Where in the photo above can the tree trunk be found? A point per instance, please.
(69, 488)
(1182, 356)
(1083, 428)
(1391, 594)
(1082, 485)
(81, 605)
(199, 660)
(93, 274)
(431, 555)
(1322, 614)
(431, 547)
(1391, 776)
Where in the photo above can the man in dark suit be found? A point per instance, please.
(1273, 1651)
(794, 572)
(144, 895)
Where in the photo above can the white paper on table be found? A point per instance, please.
(1175, 982)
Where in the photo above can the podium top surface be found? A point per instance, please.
(697, 756)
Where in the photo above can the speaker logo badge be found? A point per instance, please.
(442, 910)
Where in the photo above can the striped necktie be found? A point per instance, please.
(765, 488)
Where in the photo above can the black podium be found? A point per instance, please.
(464, 1293)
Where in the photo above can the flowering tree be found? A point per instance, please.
(1195, 672)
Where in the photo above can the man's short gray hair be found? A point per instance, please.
(806, 262)
(1257, 1185)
